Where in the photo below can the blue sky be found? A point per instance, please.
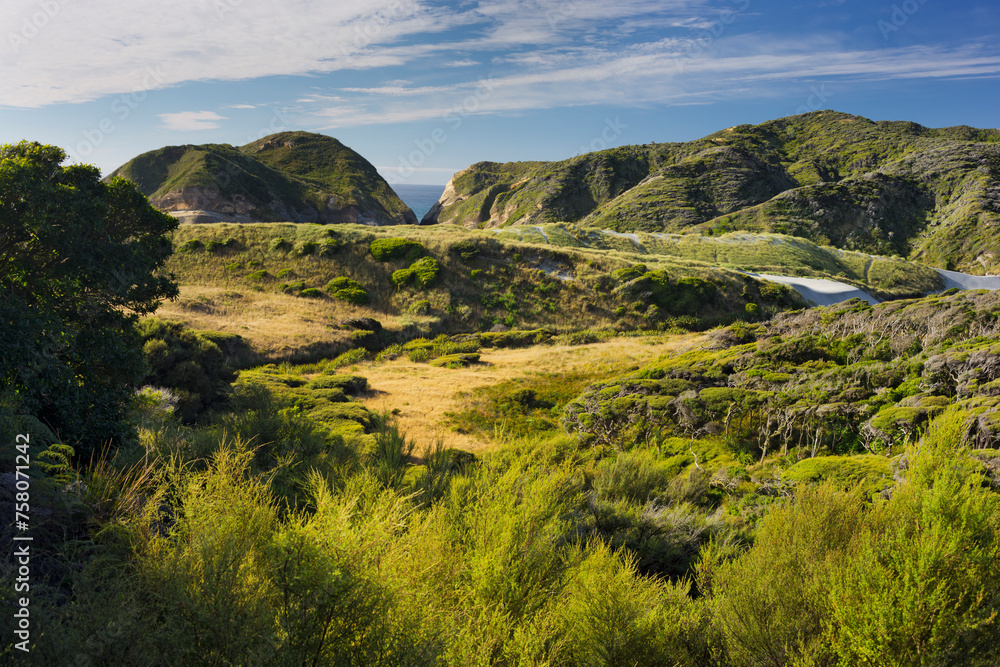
(423, 89)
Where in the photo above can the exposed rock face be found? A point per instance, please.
(448, 198)
(288, 177)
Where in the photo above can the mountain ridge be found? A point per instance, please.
(881, 187)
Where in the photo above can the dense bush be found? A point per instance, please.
(385, 250)
(422, 272)
(348, 290)
(187, 363)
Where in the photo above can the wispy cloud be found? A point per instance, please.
(188, 121)
(663, 73)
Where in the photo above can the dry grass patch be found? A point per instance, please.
(423, 395)
(276, 325)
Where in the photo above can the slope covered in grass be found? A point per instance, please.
(288, 287)
(289, 176)
(875, 187)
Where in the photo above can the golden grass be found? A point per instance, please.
(423, 394)
(277, 325)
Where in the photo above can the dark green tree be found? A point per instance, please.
(78, 265)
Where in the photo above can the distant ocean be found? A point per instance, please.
(419, 197)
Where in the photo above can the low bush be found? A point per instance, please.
(456, 360)
(280, 245)
(350, 384)
(348, 290)
(385, 250)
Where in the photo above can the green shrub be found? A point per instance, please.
(402, 277)
(190, 365)
(385, 250)
(332, 394)
(343, 411)
(312, 293)
(638, 475)
(329, 247)
(257, 275)
(419, 355)
(285, 273)
(215, 246)
(354, 295)
(422, 307)
(304, 248)
(629, 273)
(390, 353)
(296, 286)
(422, 275)
(455, 360)
(348, 290)
(280, 244)
(425, 271)
(350, 357)
(191, 245)
(475, 273)
(467, 249)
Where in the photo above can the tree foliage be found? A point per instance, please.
(78, 261)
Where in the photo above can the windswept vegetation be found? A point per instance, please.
(289, 176)
(344, 445)
(885, 188)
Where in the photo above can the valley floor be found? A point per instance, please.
(424, 395)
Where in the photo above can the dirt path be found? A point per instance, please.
(423, 394)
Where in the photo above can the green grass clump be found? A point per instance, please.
(357, 355)
(296, 286)
(312, 293)
(348, 290)
(422, 272)
(257, 275)
(304, 248)
(280, 245)
(191, 245)
(386, 250)
(349, 384)
(459, 360)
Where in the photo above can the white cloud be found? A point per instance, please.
(83, 51)
(189, 121)
(662, 73)
(230, 40)
(241, 106)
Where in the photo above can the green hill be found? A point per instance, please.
(290, 176)
(886, 187)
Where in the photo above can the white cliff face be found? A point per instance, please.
(207, 205)
(448, 197)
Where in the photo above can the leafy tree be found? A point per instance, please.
(188, 363)
(78, 261)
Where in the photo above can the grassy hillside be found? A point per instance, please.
(884, 277)
(275, 285)
(875, 187)
(290, 176)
